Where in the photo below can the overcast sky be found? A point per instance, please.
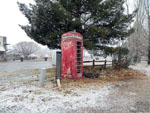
(11, 17)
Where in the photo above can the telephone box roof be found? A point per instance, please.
(72, 35)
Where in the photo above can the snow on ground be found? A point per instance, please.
(142, 68)
(20, 94)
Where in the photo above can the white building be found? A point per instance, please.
(3, 48)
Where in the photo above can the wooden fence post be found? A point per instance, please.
(112, 63)
(105, 64)
(93, 63)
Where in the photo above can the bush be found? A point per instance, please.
(121, 58)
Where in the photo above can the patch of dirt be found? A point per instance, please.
(118, 75)
(123, 74)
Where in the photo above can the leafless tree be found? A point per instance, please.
(138, 42)
(26, 48)
(147, 8)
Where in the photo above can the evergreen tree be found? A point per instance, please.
(97, 20)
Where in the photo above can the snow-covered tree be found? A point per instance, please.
(96, 20)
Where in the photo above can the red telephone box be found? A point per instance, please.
(72, 55)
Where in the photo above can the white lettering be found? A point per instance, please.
(72, 36)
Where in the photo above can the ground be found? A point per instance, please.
(20, 92)
(26, 65)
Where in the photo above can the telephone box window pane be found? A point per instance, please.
(78, 69)
(78, 47)
(78, 55)
(78, 43)
(78, 63)
(78, 51)
(79, 59)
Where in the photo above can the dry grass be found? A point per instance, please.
(49, 72)
(33, 72)
(121, 75)
(118, 75)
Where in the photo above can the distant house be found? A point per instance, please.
(3, 47)
(13, 55)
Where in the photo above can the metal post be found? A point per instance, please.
(58, 68)
(42, 77)
(58, 65)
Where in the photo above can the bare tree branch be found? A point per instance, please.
(26, 48)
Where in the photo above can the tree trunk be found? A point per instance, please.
(149, 40)
(119, 59)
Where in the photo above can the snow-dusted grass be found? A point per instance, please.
(20, 94)
(142, 68)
